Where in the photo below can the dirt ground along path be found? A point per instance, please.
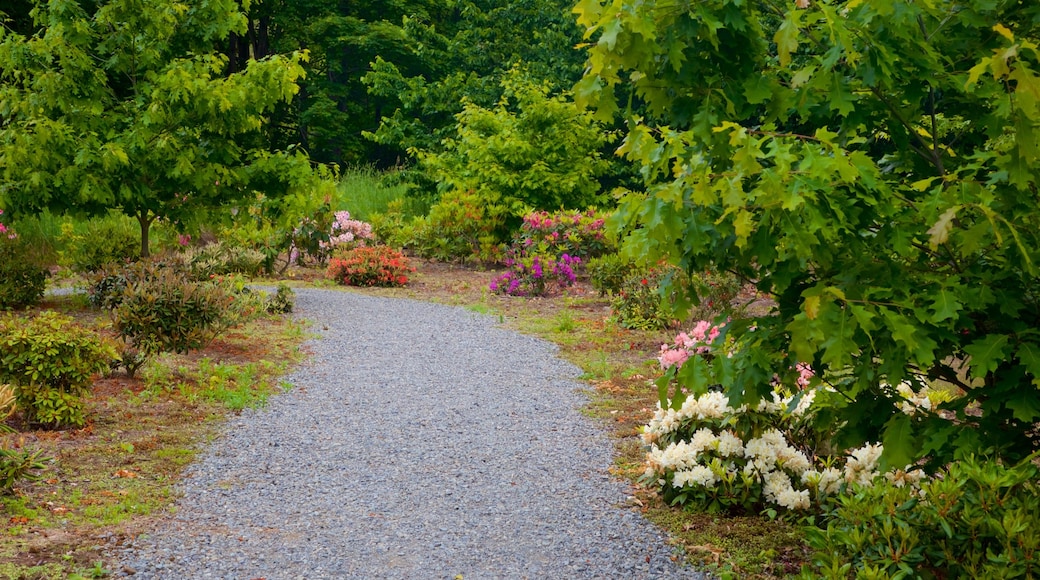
(419, 441)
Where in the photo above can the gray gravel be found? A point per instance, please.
(420, 441)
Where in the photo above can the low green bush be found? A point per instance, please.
(282, 301)
(607, 273)
(22, 278)
(463, 227)
(20, 465)
(222, 258)
(638, 304)
(51, 361)
(393, 226)
(163, 309)
(110, 240)
(977, 519)
(370, 266)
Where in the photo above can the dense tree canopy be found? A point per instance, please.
(871, 165)
(127, 105)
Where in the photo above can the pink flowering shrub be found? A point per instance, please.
(6, 231)
(577, 234)
(536, 275)
(348, 233)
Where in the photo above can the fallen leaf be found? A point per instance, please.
(125, 473)
(19, 520)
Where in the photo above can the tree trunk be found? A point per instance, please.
(146, 223)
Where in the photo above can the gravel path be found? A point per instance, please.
(420, 441)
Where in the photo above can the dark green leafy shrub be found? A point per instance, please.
(976, 520)
(370, 266)
(162, 309)
(715, 292)
(607, 273)
(394, 227)
(18, 465)
(105, 287)
(51, 361)
(463, 226)
(105, 241)
(283, 301)
(638, 303)
(22, 278)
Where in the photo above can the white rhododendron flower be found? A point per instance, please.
(698, 475)
(730, 445)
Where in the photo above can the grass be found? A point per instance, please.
(114, 478)
(364, 192)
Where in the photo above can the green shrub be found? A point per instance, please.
(715, 291)
(394, 227)
(607, 273)
(221, 258)
(283, 301)
(110, 240)
(22, 278)
(370, 266)
(638, 304)
(162, 309)
(18, 465)
(977, 520)
(464, 226)
(51, 361)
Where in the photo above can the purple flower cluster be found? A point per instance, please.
(537, 275)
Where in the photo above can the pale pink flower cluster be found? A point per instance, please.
(349, 231)
(697, 341)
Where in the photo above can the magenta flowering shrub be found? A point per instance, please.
(536, 275)
(576, 234)
(6, 231)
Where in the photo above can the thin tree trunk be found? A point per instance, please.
(146, 223)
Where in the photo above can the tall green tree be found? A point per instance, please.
(127, 104)
(465, 53)
(872, 166)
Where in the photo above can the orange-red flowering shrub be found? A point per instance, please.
(370, 266)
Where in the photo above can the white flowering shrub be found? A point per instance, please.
(702, 451)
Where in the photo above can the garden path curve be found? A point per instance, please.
(419, 441)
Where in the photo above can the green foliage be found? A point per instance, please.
(452, 52)
(607, 273)
(283, 301)
(871, 165)
(365, 192)
(163, 309)
(370, 266)
(531, 151)
(223, 258)
(135, 111)
(462, 226)
(972, 522)
(639, 304)
(20, 465)
(394, 227)
(22, 279)
(51, 361)
(108, 240)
